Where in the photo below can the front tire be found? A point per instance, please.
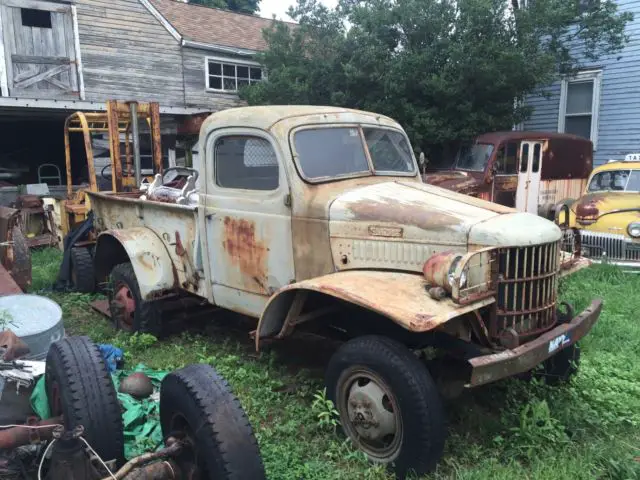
(388, 403)
(129, 311)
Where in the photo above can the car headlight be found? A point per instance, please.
(634, 229)
(440, 270)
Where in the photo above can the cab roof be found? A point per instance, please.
(496, 137)
(265, 117)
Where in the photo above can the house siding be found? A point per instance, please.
(196, 94)
(619, 117)
(128, 54)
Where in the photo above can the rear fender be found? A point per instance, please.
(148, 256)
(400, 297)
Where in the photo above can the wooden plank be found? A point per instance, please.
(9, 43)
(57, 27)
(41, 76)
(73, 45)
(40, 60)
(4, 85)
(36, 4)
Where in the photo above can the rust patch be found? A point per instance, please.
(246, 252)
(436, 269)
(407, 213)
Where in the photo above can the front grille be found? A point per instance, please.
(610, 246)
(527, 289)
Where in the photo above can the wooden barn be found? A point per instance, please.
(58, 57)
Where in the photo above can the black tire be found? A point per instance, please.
(79, 387)
(197, 403)
(82, 274)
(560, 368)
(407, 384)
(147, 317)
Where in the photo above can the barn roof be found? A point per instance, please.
(214, 26)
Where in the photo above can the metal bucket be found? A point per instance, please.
(36, 320)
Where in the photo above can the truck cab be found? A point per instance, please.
(530, 171)
(317, 217)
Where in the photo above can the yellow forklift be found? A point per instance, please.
(71, 215)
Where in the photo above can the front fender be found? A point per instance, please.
(148, 256)
(401, 297)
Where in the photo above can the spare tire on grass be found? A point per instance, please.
(198, 407)
(79, 387)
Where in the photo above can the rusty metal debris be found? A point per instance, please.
(15, 256)
(14, 437)
(11, 347)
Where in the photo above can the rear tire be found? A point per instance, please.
(128, 311)
(196, 404)
(388, 404)
(79, 387)
(82, 274)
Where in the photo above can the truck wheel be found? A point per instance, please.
(388, 404)
(79, 387)
(561, 367)
(82, 276)
(197, 406)
(128, 311)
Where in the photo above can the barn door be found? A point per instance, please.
(39, 49)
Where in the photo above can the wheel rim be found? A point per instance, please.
(125, 305)
(370, 414)
(191, 465)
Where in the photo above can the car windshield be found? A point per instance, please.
(615, 181)
(474, 157)
(325, 153)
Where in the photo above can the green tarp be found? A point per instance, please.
(141, 418)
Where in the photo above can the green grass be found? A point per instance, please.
(508, 430)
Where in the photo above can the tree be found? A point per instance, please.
(241, 6)
(447, 70)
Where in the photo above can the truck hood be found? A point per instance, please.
(600, 203)
(425, 214)
(452, 180)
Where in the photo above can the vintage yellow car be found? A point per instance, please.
(608, 214)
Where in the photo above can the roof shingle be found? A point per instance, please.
(214, 26)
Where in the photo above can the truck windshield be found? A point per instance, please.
(340, 151)
(474, 157)
(616, 181)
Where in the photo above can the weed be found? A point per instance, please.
(6, 320)
(328, 416)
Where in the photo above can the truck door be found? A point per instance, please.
(529, 177)
(247, 218)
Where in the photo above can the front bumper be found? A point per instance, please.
(489, 368)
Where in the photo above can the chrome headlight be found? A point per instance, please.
(634, 229)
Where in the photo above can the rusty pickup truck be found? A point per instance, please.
(317, 217)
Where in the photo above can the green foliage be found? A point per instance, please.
(328, 416)
(446, 70)
(6, 320)
(512, 429)
(241, 6)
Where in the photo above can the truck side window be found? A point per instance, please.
(524, 158)
(507, 159)
(536, 158)
(245, 162)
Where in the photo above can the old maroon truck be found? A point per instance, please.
(531, 171)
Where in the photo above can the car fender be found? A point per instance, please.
(400, 297)
(147, 253)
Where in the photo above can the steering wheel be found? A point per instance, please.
(178, 173)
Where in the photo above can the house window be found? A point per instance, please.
(228, 76)
(35, 18)
(245, 162)
(579, 105)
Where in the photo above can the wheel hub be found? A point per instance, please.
(126, 304)
(371, 411)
